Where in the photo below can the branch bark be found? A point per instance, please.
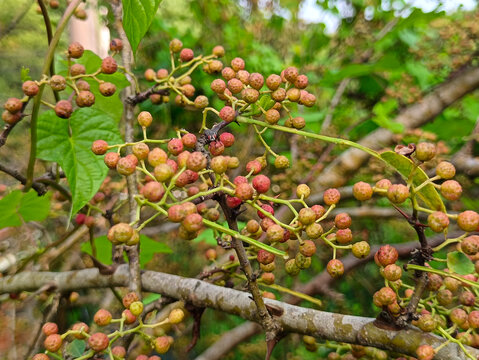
(294, 319)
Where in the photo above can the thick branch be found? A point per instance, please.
(324, 325)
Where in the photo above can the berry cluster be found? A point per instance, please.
(100, 342)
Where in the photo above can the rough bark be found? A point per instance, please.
(321, 324)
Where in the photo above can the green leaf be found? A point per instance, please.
(150, 298)
(150, 247)
(24, 74)
(137, 18)
(69, 144)
(17, 208)
(405, 166)
(76, 348)
(383, 118)
(459, 263)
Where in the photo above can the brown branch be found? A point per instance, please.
(294, 319)
(40, 188)
(140, 97)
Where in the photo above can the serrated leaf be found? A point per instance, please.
(68, 142)
(17, 208)
(459, 263)
(137, 18)
(405, 166)
(76, 348)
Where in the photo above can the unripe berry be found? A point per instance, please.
(228, 73)
(176, 316)
(175, 45)
(362, 191)
(344, 236)
(211, 254)
(398, 193)
(279, 95)
(468, 220)
(186, 55)
(335, 268)
(98, 342)
(306, 216)
(235, 85)
(444, 297)
(219, 51)
(30, 88)
(458, 316)
(387, 255)
(85, 99)
(250, 95)
(80, 326)
(53, 342)
(451, 190)
(445, 170)
(301, 261)
(227, 114)
(119, 351)
(116, 45)
(386, 296)
(162, 344)
(425, 151)
(102, 317)
(50, 328)
(274, 233)
(82, 85)
(193, 222)
(272, 116)
(58, 83)
(314, 230)
(218, 86)
(438, 221)
(196, 161)
(273, 81)
(219, 164)
(77, 69)
(470, 245)
(307, 99)
(281, 162)
(425, 352)
(136, 308)
(216, 148)
(303, 191)
(63, 109)
(140, 150)
(392, 272)
(427, 323)
(108, 65)
(107, 89)
(144, 119)
(176, 213)
(331, 196)
(361, 249)
(126, 166)
(111, 159)
(267, 278)
(342, 221)
(75, 50)
(120, 233)
(157, 156)
(291, 268)
(293, 94)
(201, 102)
(308, 248)
(40, 356)
(153, 191)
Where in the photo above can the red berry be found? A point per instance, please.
(102, 317)
(253, 167)
(342, 221)
(80, 219)
(216, 148)
(75, 50)
(99, 147)
(53, 342)
(387, 255)
(186, 55)
(63, 109)
(266, 208)
(233, 202)
(98, 342)
(237, 64)
(30, 88)
(50, 328)
(362, 191)
(107, 89)
(264, 257)
(189, 140)
(153, 191)
(244, 191)
(80, 327)
(227, 139)
(218, 86)
(335, 268)
(111, 159)
(261, 183)
(109, 65)
(175, 146)
(331, 196)
(235, 85)
(227, 114)
(256, 81)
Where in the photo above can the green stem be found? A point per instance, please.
(36, 105)
(442, 273)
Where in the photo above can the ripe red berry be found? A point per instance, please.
(109, 65)
(237, 64)
(111, 159)
(301, 82)
(218, 86)
(425, 352)
(53, 342)
(80, 219)
(102, 317)
(99, 147)
(362, 191)
(342, 221)
(98, 342)
(344, 236)
(216, 148)
(244, 191)
(85, 99)
(175, 146)
(50, 328)
(186, 55)
(387, 255)
(308, 248)
(335, 268)
(228, 73)
(63, 109)
(80, 326)
(227, 139)
(290, 74)
(30, 88)
(233, 202)
(227, 113)
(75, 50)
(235, 85)
(253, 166)
(261, 183)
(153, 191)
(264, 257)
(243, 76)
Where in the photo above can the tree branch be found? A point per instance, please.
(294, 319)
